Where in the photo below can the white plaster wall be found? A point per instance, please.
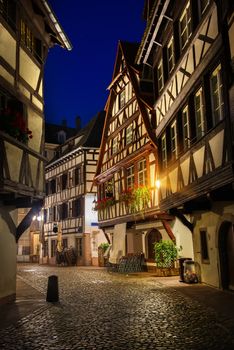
(90, 214)
(8, 250)
(118, 245)
(184, 238)
(97, 237)
(210, 221)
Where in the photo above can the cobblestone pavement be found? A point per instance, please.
(101, 310)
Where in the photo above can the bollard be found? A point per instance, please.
(52, 289)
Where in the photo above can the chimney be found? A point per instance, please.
(78, 123)
(64, 122)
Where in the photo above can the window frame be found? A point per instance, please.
(186, 13)
(142, 171)
(129, 134)
(160, 76)
(170, 54)
(164, 151)
(174, 150)
(220, 96)
(122, 99)
(130, 177)
(204, 246)
(186, 127)
(199, 113)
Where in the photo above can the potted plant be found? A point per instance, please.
(12, 123)
(166, 253)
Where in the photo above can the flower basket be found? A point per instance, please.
(104, 203)
(13, 124)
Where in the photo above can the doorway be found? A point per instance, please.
(153, 237)
(226, 255)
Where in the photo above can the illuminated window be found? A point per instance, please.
(142, 173)
(33, 44)
(121, 99)
(160, 76)
(170, 55)
(174, 150)
(164, 151)
(129, 134)
(185, 25)
(115, 145)
(199, 113)
(186, 133)
(130, 177)
(216, 86)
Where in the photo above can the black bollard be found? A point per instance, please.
(52, 289)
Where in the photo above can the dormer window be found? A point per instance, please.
(170, 55)
(61, 136)
(33, 44)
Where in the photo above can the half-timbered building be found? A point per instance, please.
(189, 46)
(27, 30)
(70, 195)
(127, 172)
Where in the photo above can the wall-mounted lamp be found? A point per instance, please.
(158, 184)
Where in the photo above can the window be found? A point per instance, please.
(64, 211)
(27, 38)
(77, 207)
(45, 250)
(121, 99)
(115, 145)
(203, 5)
(78, 177)
(174, 150)
(130, 177)
(160, 76)
(8, 12)
(52, 186)
(65, 245)
(170, 55)
(64, 181)
(164, 151)
(186, 133)
(199, 114)
(25, 250)
(185, 25)
(142, 173)
(129, 134)
(204, 245)
(79, 246)
(216, 87)
(53, 247)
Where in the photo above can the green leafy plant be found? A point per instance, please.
(104, 246)
(166, 253)
(137, 199)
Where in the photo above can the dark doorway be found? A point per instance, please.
(226, 255)
(153, 236)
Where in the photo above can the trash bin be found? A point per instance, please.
(190, 275)
(181, 268)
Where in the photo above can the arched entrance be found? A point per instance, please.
(152, 237)
(226, 254)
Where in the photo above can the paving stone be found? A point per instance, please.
(99, 310)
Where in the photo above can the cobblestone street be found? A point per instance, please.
(101, 310)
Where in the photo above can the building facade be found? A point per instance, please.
(188, 46)
(70, 196)
(127, 172)
(27, 30)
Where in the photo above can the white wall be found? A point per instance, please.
(184, 238)
(118, 245)
(8, 250)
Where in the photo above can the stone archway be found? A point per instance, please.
(153, 236)
(226, 254)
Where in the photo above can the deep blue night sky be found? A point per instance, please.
(76, 81)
